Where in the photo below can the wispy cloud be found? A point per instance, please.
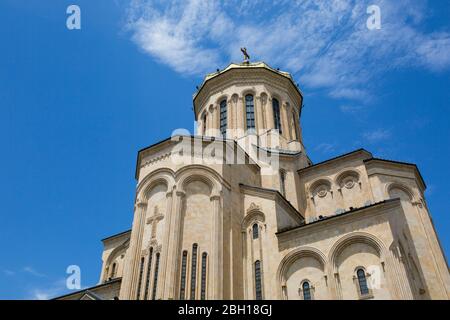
(377, 135)
(351, 109)
(50, 291)
(325, 148)
(326, 44)
(33, 272)
(8, 272)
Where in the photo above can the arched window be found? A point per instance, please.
(362, 282)
(183, 275)
(306, 288)
(155, 278)
(204, 124)
(283, 182)
(141, 271)
(194, 270)
(113, 270)
(149, 268)
(258, 284)
(276, 115)
(203, 286)
(250, 112)
(223, 118)
(255, 230)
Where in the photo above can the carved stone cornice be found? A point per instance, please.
(155, 159)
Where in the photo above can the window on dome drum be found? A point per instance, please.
(276, 115)
(141, 271)
(155, 278)
(223, 118)
(258, 284)
(250, 112)
(362, 282)
(113, 270)
(183, 276)
(204, 124)
(203, 286)
(283, 183)
(149, 268)
(306, 291)
(255, 230)
(194, 270)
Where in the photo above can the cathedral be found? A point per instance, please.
(239, 211)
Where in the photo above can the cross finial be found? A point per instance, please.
(246, 56)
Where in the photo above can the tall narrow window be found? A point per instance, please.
(258, 285)
(250, 112)
(149, 268)
(203, 286)
(204, 124)
(194, 270)
(283, 182)
(113, 270)
(141, 271)
(183, 275)
(255, 231)
(362, 281)
(155, 277)
(306, 291)
(276, 115)
(223, 118)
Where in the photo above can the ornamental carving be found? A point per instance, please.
(253, 207)
(321, 191)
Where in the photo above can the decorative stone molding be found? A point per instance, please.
(155, 159)
(253, 207)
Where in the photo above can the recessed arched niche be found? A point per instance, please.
(322, 197)
(156, 212)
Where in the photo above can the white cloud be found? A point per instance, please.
(351, 109)
(377, 135)
(33, 272)
(50, 291)
(325, 148)
(324, 43)
(8, 272)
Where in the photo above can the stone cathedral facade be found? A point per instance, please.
(239, 211)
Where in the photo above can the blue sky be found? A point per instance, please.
(76, 106)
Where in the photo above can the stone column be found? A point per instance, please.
(258, 114)
(230, 118)
(297, 125)
(245, 262)
(241, 115)
(165, 248)
(270, 121)
(398, 277)
(214, 120)
(131, 271)
(173, 255)
(211, 120)
(285, 121)
(216, 278)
